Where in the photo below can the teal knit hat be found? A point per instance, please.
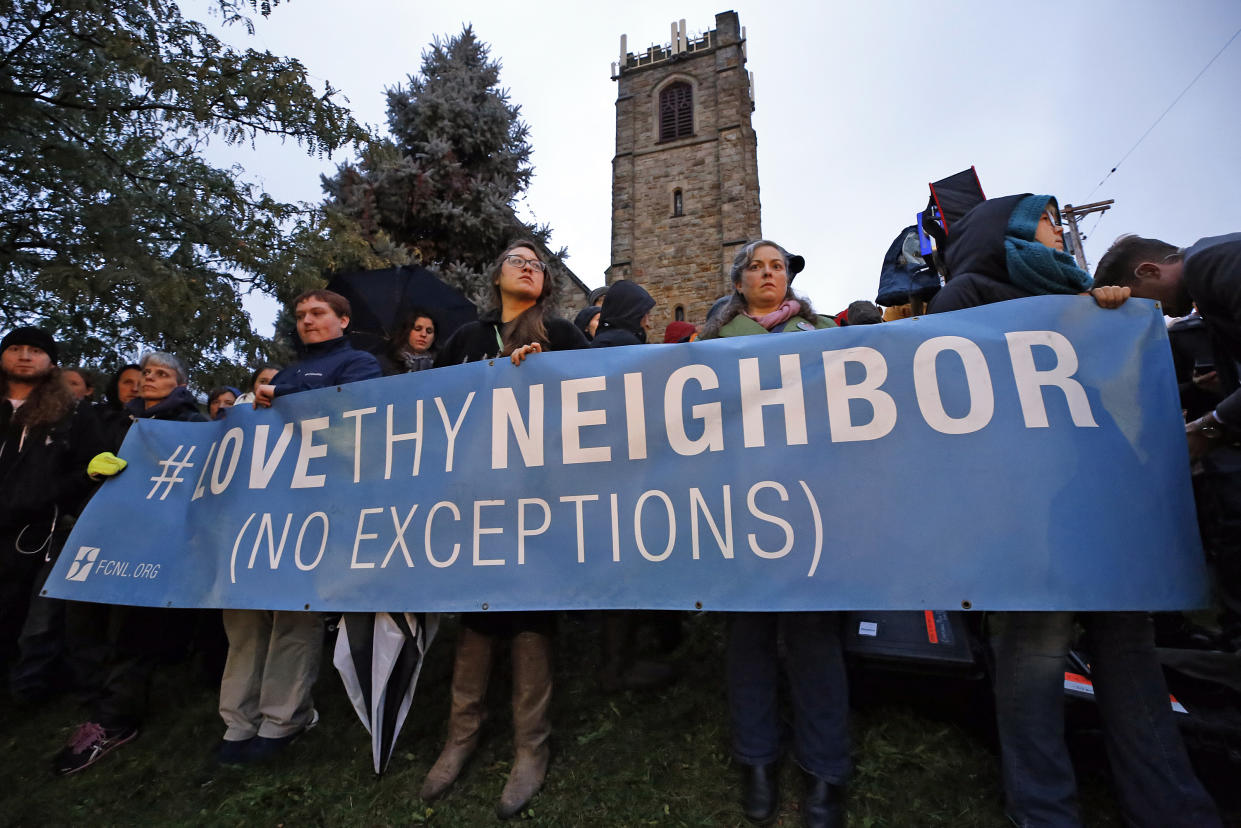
(1023, 223)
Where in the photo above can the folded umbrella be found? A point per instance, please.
(379, 657)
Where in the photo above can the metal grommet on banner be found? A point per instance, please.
(966, 605)
(698, 605)
(486, 606)
(306, 606)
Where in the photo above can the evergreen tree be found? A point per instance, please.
(114, 231)
(441, 189)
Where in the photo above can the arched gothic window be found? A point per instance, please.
(676, 111)
(679, 313)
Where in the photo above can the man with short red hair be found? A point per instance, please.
(273, 655)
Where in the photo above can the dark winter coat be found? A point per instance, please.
(620, 320)
(180, 405)
(1193, 352)
(474, 342)
(45, 474)
(1212, 276)
(324, 364)
(582, 320)
(976, 261)
(480, 340)
(392, 364)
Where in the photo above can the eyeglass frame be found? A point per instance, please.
(520, 262)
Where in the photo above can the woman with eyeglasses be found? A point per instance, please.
(1012, 247)
(516, 326)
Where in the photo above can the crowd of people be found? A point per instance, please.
(57, 444)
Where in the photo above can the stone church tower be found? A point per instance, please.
(685, 175)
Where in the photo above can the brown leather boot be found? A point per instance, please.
(470, 672)
(532, 696)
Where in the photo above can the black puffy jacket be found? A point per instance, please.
(976, 261)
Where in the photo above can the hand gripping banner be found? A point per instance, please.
(1026, 455)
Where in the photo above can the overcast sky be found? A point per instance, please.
(857, 107)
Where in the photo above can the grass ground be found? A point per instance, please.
(922, 757)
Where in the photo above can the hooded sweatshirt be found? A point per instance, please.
(620, 321)
(582, 320)
(987, 243)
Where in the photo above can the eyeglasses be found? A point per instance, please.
(518, 262)
(1053, 216)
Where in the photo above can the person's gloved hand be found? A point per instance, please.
(103, 465)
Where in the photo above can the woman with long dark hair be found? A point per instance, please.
(414, 346)
(516, 326)
(262, 375)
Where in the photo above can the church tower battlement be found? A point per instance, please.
(685, 174)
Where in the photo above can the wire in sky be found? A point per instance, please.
(1165, 112)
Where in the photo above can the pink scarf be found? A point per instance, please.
(779, 316)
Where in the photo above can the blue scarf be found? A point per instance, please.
(1033, 266)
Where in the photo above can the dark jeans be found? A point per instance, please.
(510, 624)
(17, 577)
(123, 645)
(820, 692)
(1155, 783)
(1217, 493)
(38, 670)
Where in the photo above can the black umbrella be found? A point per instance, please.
(379, 657)
(381, 299)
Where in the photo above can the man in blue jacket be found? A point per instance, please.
(273, 655)
(328, 359)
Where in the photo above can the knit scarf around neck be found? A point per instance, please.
(779, 316)
(1041, 270)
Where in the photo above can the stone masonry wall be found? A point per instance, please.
(683, 260)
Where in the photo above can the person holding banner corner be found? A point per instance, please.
(116, 646)
(1009, 248)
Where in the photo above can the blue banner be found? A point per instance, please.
(1025, 455)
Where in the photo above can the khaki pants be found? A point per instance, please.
(273, 662)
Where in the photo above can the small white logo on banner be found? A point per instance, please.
(82, 564)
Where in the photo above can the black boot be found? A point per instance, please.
(621, 670)
(823, 805)
(761, 794)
